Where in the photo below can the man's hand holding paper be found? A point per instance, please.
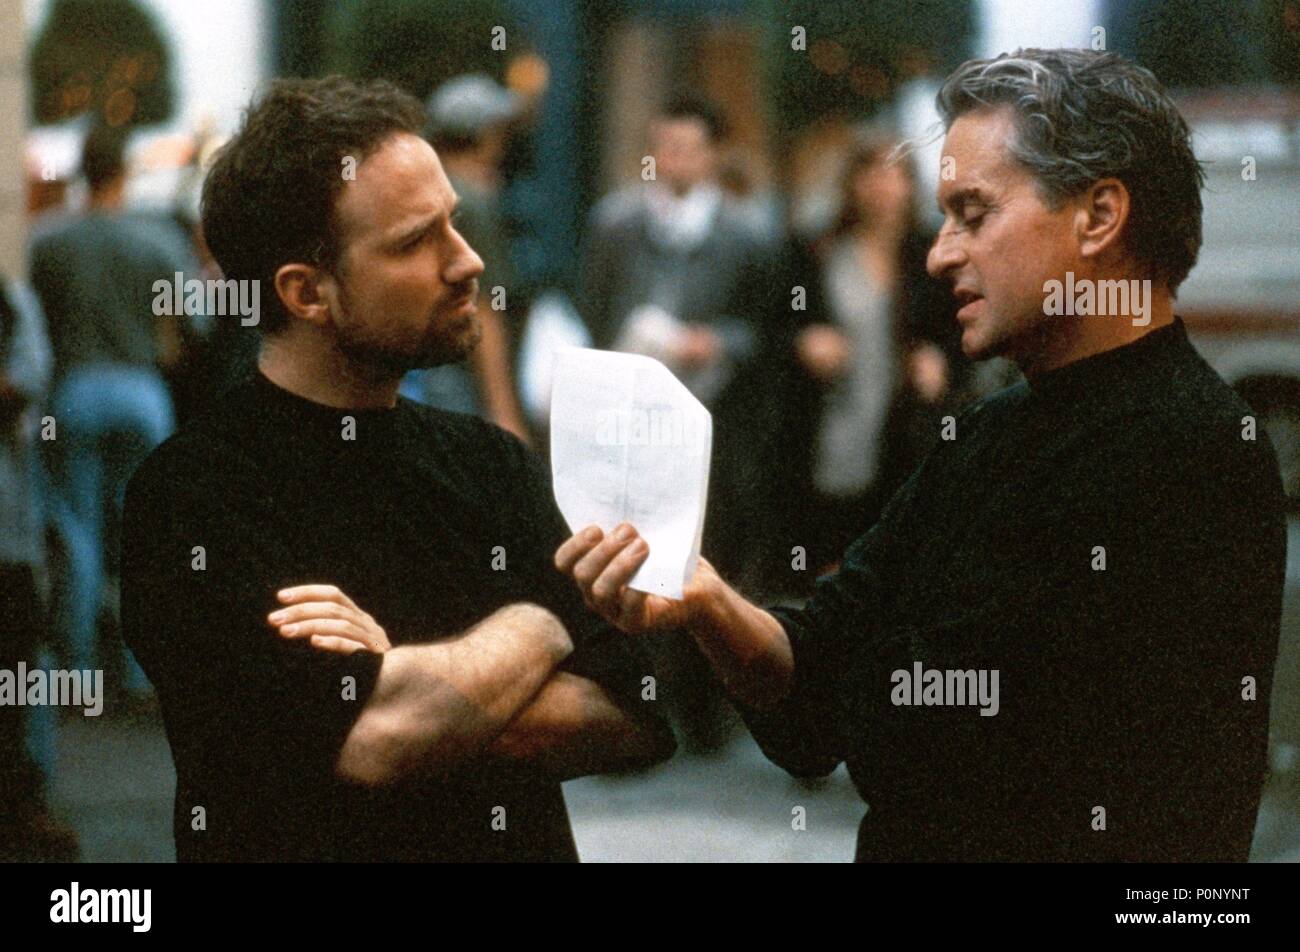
(603, 565)
(630, 444)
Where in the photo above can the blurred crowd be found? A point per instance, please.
(826, 354)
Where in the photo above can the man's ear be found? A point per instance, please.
(1102, 217)
(302, 290)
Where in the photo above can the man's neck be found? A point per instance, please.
(322, 374)
(1066, 339)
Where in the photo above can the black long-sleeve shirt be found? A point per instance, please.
(1111, 542)
(429, 521)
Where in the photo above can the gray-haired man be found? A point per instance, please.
(1058, 642)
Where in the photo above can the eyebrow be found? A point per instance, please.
(957, 199)
(425, 226)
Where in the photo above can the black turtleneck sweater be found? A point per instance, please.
(1109, 542)
(429, 521)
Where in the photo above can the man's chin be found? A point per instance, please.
(454, 346)
(981, 342)
(974, 344)
(468, 334)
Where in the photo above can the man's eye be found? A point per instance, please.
(973, 220)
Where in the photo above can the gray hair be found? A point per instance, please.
(1081, 116)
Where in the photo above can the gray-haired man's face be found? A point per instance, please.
(1000, 243)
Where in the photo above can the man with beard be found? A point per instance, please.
(1058, 641)
(346, 600)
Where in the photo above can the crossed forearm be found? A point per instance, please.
(436, 705)
(573, 728)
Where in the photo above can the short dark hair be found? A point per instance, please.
(1085, 115)
(103, 155)
(693, 107)
(269, 196)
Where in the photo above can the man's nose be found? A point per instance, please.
(465, 263)
(945, 254)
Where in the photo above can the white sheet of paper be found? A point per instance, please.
(629, 443)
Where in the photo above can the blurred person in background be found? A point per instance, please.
(469, 120)
(881, 348)
(752, 201)
(672, 271)
(46, 185)
(214, 351)
(94, 273)
(27, 832)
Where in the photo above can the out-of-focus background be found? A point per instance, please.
(609, 148)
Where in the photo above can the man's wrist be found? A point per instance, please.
(705, 599)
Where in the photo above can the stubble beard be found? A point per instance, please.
(446, 341)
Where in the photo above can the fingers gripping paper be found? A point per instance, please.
(630, 444)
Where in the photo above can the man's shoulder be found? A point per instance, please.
(454, 426)
(1193, 442)
(471, 441)
(213, 446)
(1196, 410)
(1196, 388)
(490, 469)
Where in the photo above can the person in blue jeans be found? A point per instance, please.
(28, 832)
(109, 417)
(95, 274)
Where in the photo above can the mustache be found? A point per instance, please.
(463, 290)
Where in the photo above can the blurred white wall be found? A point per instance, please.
(1003, 26)
(1006, 25)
